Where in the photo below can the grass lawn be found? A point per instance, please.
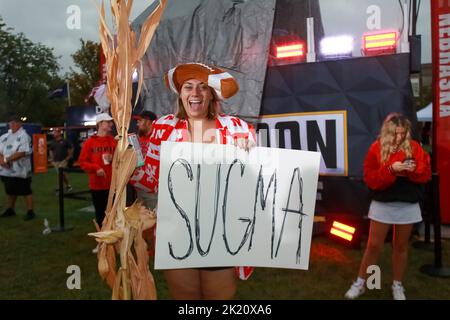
(33, 265)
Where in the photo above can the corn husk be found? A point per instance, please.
(121, 233)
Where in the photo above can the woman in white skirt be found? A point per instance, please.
(395, 169)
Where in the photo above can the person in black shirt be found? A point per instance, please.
(61, 151)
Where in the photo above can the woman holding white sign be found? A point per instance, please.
(395, 169)
(199, 88)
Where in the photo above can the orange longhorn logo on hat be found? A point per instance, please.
(223, 83)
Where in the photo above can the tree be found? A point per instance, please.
(87, 60)
(27, 72)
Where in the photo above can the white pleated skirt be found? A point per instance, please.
(395, 212)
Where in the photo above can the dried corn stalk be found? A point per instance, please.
(122, 228)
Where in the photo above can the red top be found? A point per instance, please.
(97, 153)
(170, 128)
(144, 141)
(377, 175)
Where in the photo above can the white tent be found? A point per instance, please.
(425, 114)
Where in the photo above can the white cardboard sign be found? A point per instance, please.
(219, 205)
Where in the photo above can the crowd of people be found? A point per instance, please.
(395, 169)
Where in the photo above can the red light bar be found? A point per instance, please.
(376, 43)
(341, 234)
(342, 230)
(289, 51)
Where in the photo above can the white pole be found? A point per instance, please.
(311, 55)
(404, 41)
(68, 93)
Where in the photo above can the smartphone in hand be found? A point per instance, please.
(409, 162)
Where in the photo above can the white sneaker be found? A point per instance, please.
(355, 290)
(95, 250)
(398, 292)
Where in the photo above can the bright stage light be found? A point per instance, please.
(337, 47)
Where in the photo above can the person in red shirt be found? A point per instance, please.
(395, 170)
(96, 159)
(144, 122)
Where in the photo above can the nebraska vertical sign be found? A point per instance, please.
(440, 19)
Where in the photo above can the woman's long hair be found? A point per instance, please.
(213, 107)
(387, 135)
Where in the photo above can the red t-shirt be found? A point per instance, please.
(97, 153)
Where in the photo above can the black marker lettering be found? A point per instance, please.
(295, 173)
(197, 215)
(262, 200)
(183, 214)
(224, 212)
